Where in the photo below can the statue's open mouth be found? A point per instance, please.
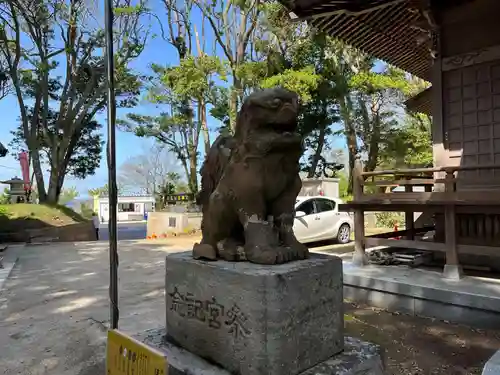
(285, 127)
(286, 121)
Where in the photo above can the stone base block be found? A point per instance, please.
(492, 367)
(358, 358)
(256, 320)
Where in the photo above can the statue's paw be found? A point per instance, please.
(204, 251)
(270, 255)
(231, 250)
(298, 249)
(301, 251)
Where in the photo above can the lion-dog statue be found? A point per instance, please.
(250, 182)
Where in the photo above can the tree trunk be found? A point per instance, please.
(37, 170)
(56, 182)
(374, 142)
(350, 134)
(233, 101)
(321, 142)
(204, 127)
(317, 153)
(193, 178)
(352, 146)
(52, 193)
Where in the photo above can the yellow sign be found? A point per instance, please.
(179, 197)
(126, 356)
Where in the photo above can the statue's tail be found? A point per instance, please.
(213, 167)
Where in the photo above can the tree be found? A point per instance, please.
(409, 145)
(233, 24)
(184, 80)
(5, 196)
(174, 130)
(184, 90)
(147, 172)
(32, 52)
(86, 155)
(102, 191)
(172, 185)
(302, 60)
(67, 195)
(192, 82)
(377, 97)
(5, 81)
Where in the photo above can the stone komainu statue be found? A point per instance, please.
(250, 182)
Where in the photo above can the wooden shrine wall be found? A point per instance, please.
(470, 89)
(468, 110)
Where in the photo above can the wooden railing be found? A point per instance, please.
(440, 193)
(437, 191)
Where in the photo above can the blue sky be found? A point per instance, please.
(127, 145)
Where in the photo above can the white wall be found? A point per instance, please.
(313, 186)
(139, 203)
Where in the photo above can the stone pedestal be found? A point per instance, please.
(256, 320)
(358, 358)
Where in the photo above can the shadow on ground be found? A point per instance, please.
(54, 313)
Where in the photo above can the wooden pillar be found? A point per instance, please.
(359, 257)
(409, 216)
(452, 268)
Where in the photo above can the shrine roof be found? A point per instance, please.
(398, 32)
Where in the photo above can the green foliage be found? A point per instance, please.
(343, 184)
(220, 109)
(4, 197)
(251, 73)
(172, 185)
(193, 78)
(102, 191)
(371, 82)
(409, 144)
(389, 219)
(64, 80)
(85, 154)
(67, 195)
(304, 82)
(341, 94)
(376, 99)
(187, 89)
(86, 211)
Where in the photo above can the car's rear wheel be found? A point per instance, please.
(344, 234)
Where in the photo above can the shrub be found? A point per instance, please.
(389, 219)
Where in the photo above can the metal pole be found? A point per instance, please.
(111, 153)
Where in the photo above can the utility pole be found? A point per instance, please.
(111, 153)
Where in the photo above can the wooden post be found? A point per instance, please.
(359, 257)
(409, 216)
(452, 268)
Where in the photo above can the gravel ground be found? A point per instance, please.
(421, 346)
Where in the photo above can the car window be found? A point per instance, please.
(323, 205)
(307, 207)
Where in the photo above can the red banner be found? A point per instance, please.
(25, 168)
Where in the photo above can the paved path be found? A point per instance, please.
(126, 231)
(54, 307)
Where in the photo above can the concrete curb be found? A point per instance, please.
(10, 258)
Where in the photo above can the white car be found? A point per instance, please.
(318, 218)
